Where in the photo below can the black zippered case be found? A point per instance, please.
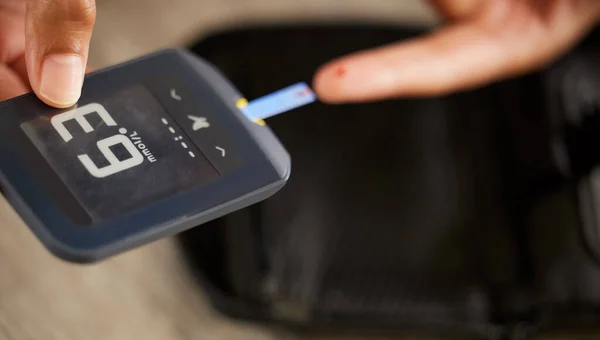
(471, 214)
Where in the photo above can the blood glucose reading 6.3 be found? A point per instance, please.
(119, 153)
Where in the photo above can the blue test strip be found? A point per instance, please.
(278, 102)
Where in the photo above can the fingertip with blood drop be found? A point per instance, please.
(326, 83)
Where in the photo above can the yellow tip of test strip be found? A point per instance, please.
(242, 103)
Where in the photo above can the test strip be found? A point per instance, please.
(280, 101)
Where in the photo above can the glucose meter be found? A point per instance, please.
(154, 146)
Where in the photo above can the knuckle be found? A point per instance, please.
(87, 12)
(62, 26)
(81, 13)
(66, 12)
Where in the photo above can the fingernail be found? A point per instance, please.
(62, 78)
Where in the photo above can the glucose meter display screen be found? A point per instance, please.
(119, 153)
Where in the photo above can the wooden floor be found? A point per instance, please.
(145, 294)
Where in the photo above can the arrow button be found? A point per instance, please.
(222, 151)
(174, 95)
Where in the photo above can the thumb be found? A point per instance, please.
(58, 34)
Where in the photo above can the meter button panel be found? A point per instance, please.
(200, 119)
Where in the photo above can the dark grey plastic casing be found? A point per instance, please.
(267, 170)
(266, 139)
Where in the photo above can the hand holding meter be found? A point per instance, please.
(154, 146)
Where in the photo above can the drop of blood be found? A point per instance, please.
(340, 71)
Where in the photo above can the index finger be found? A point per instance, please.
(459, 57)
